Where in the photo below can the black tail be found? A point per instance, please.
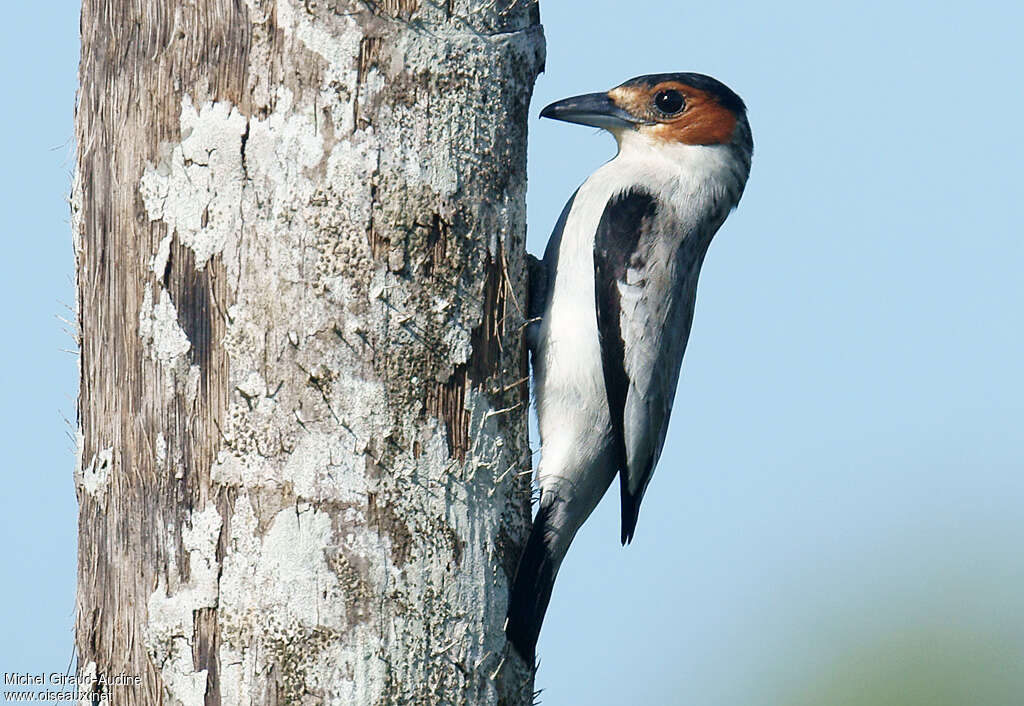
(531, 590)
(630, 509)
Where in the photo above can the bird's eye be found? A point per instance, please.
(669, 102)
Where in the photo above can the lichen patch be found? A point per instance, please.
(172, 606)
(196, 186)
(281, 589)
(167, 343)
(159, 329)
(94, 478)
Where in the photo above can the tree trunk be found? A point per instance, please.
(304, 468)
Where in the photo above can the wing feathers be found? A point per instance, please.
(625, 224)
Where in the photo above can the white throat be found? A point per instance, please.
(690, 177)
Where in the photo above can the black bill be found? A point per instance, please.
(595, 109)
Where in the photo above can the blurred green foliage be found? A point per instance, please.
(934, 666)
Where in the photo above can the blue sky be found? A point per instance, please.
(836, 515)
(38, 522)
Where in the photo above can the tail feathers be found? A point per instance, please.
(631, 499)
(531, 590)
(630, 510)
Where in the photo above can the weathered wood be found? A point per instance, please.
(299, 231)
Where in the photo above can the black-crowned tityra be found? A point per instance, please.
(611, 305)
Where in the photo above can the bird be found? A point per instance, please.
(609, 306)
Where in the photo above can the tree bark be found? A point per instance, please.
(303, 464)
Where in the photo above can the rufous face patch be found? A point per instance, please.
(702, 120)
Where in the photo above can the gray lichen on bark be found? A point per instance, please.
(299, 227)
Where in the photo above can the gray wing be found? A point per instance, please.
(644, 297)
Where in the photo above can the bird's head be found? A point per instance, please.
(680, 108)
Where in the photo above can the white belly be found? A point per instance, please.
(572, 406)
